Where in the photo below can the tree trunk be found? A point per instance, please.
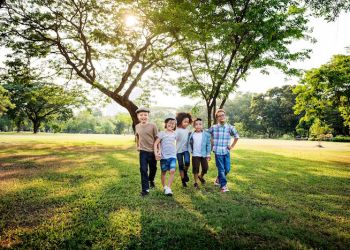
(209, 109)
(18, 126)
(36, 126)
(131, 108)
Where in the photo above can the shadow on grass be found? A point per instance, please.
(93, 200)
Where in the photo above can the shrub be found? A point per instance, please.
(341, 138)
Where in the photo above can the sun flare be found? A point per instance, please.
(131, 21)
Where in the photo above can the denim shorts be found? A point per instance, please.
(168, 164)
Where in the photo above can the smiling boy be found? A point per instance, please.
(222, 133)
(146, 134)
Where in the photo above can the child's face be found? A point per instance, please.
(221, 117)
(143, 117)
(170, 125)
(185, 123)
(198, 126)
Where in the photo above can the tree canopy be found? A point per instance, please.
(223, 40)
(35, 98)
(92, 41)
(325, 90)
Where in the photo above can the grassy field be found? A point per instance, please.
(82, 191)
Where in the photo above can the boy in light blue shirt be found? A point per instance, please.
(200, 147)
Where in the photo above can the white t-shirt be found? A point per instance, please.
(197, 144)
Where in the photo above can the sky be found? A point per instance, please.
(332, 38)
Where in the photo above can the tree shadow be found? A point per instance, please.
(92, 201)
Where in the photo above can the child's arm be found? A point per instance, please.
(235, 140)
(208, 146)
(188, 142)
(137, 141)
(234, 133)
(157, 150)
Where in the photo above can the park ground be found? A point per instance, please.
(82, 191)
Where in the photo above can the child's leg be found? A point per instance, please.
(171, 177)
(179, 157)
(220, 164)
(144, 171)
(227, 163)
(163, 177)
(152, 167)
(163, 167)
(172, 162)
(187, 162)
(195, 167)
(205, 166)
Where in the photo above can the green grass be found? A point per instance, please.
(82, 191)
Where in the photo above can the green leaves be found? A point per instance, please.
(36, 99)
(325, 88)
(222, 40)
(5, 102)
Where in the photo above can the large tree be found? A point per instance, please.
(35, 99)
(222, 40)
(274, 111)
(324, 92)
(110, 45)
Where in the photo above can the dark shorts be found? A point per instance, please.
(197, 162)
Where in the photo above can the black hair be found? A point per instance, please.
(197, 119)
(167, 120)
(182, 116)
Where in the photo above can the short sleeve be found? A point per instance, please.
(234, 132)
(160, 135)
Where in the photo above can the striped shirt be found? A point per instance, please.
(222, 137)
(167, 144)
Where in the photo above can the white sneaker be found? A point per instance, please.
(168, 192)
(224, 189)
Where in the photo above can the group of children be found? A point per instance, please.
(176, 143)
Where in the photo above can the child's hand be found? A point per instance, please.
(208, 158)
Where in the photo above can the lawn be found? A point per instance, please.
(82, 191)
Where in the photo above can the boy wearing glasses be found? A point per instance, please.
(221, 134)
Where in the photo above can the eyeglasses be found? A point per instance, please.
(223, 115)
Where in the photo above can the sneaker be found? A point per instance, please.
(184, 184)
(196, 186)
(151, 184)
(224, 189)
(201, 179)
(168, 192)
(144, 193)
(216, 182)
